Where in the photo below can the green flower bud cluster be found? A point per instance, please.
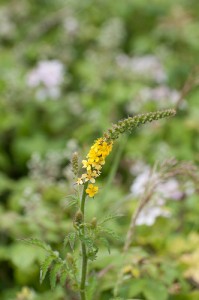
(70, 258)
(94, 223)
(127, 125)
(72, 265)
(75, 164)
(78, 218)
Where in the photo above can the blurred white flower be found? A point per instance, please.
(47, 169)
(74, 104)
(112, 33)
(189, 188)
(161, 192)
(71, 25)
(47, 76)
(137, 166)
(170, 189)
(67, 173)
(44, 93)
(160, 93)
(49, 73)
(7, 26)
(149, 215)
(147, 66)
(140, 182)
(71, 147)
(123, 60)
(28, 191)
(165, 190)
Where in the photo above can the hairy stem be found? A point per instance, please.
(84, 254)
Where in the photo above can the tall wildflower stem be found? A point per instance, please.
(93, 163)
(83, 246)
(116, 162)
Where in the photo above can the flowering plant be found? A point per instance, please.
(88, 234)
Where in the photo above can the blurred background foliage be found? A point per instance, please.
(68, 70)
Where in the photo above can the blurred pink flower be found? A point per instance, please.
(149, 215)
(163, 190)
(48, 75)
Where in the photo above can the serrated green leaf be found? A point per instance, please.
(70, 238)
(65, 241)
(110, 217)
(71, 203)
(63, 275)
(54, 272)
(72, 200)
(92, 255)
(88, 241)
(38, 243)
(91, 247)
(72, 196)
(45, 266)
(106, 243)
(111, 233)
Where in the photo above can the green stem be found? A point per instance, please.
(115, 165)
(84, 254)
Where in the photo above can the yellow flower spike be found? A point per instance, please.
(92, 190)
(95, 159)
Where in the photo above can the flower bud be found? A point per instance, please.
(132, 122)
(94, 223)
(78, 217)
(74, 162)
(69, 258)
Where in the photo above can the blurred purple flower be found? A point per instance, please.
(159, 190)
(145, 66)
(170, 189)
(149, 215)
(47, 76)
(140, 182)
(159, 94)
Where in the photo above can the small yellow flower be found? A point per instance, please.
(79, 181)
(127, 269)
(92, 190)
(86, 164)
(96, 166)
(89, 177)
(25, 294)
(131, 270)
(102, 161)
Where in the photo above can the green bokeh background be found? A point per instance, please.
(37, 138)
